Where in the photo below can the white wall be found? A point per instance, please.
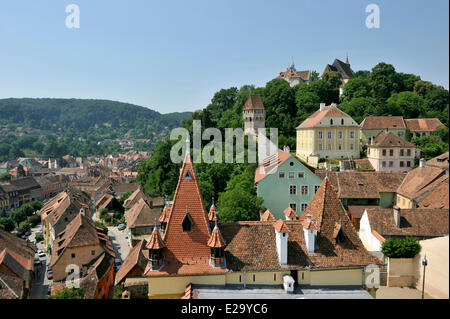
(370, 242)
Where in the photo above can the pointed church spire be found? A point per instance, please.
(346, 59)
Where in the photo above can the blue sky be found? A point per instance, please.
(173, 55)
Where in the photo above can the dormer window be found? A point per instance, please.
(187, 175)
(340, 238)
(187, 222)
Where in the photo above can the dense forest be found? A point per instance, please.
(381, 91)
(55, 127)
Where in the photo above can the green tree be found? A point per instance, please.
(409, 102)
(384, 81)
(239, 201)
(6, 224)
(159, 175)
(333, 79)
(421, 88)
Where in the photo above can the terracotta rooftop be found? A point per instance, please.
(16, 265)
(387, 139)
(134, 259)
(437, 198)
(413, 222)
(186, 252)
(155, 241)
(358, 210)
(316, 117)
(355, 184)
(270, 164)
(423, 125)
(289, 212)
(142, 215)
(254, 102)
(81, 231)
(440, 161)
(382, 123)
(420, 181)
(280, 226)
(216, 240)
(304, 75)
(212, 213)
(267, 216)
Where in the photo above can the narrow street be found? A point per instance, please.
(119, 242)
(40, 283)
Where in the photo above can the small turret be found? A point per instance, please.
(155, 246)
(217, 245)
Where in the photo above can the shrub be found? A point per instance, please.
(68, 293)
(39, 238)
(401, 248)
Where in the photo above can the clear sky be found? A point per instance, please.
(173, 55)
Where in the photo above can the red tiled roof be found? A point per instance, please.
(437, 198)
(270, 164)
(423, 125)
(216, 240)
(316, 117)
(382, 122)
(280, 226)
(141, 214)
(155, 241)
(440, 161)
(304, 75)
(358, 210)
(420, 181)
(254, 102)
(186, 252)
(267, 216)
(413, 222)
(355, 184)
(387, 139)
(212, 213)
(289, 212)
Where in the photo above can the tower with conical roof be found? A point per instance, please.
(254, 115)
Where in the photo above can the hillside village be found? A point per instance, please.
(340, 192)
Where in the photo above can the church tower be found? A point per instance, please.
(254, 115)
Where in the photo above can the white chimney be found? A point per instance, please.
(422, 162)
(322, 106)
(371, 140)
(333, 104)
(397, 216)
(310, 239)
(282, 246)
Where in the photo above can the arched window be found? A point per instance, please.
(342, 121)
(331, 121)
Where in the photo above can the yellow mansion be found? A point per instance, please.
(328, 133)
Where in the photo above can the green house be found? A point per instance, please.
(287, 183)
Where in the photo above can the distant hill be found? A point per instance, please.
(82, 114)
(48, 127)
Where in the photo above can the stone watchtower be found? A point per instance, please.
(254, 115)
